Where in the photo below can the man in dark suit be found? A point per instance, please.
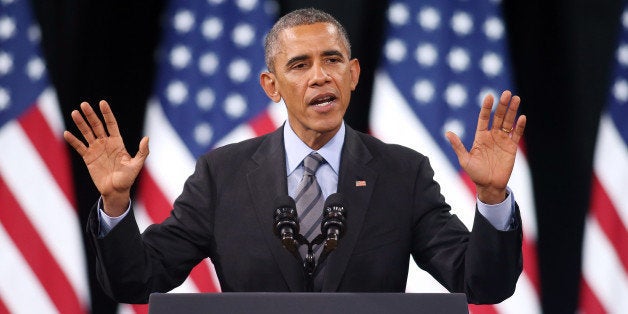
(225, 212)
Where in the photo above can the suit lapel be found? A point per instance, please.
(266, 180)
(356, 182)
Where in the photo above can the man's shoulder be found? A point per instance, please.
(378, 147)
(245, 148)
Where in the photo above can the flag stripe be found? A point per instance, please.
(589, 303)
(610, 222)
(19, 288)
(50, 148)
(35, 252)
(43, 203)
(263, 123)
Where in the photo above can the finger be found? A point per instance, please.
(511, 114)
(80, 123)
(521, 125)
(500, 112)
(457, 145)
(78, 146)
(485, 113)
(93, 120)
(110, 119)
(143, 150)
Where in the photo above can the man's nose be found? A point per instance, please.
(320, 75)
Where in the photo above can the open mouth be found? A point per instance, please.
(322, 100)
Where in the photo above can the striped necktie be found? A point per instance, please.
(309, 200)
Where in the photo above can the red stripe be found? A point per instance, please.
(530, 263)
(589, 302)
(158, 208)
(3, 308)
(140, 308)
(35, 252)
(51, 149)
(610, 222)
(262, 124)
(482, 309)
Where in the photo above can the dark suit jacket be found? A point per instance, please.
(225, 212)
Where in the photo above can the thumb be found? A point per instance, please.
(143, 150)
(457, 145)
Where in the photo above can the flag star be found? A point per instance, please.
(208, 63)
(6, 63)
(5, 99)
(429, 18)
(246, 5)
(176, 92)
(398, 14)
(205, 99)
(462, 23)
(203, 134)
(485, 92)
(622, 55)
(620, 91)
(494, 28)
(183, 21)
(239, 70)
(180, 57)
(456, 95)
(215, 2)
(7, 27)
(235, 106)
(34, 33)
(456, 126)
(426, 55)
(212, 28)
(395, 50)
(243, 35)
(35, 69)
(458, 59)
(491, 64)
(423, 91)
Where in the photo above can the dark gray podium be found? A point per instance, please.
(315, 303)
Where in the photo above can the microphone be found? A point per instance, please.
(334, 218)
(286, 222)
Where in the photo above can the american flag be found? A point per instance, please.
(42, 264)
(207, 94)
(440, 58)
(604, 287)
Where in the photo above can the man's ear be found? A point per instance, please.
(354, 65)
(269, 84)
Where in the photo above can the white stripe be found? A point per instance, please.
(240, 133)
(524, 300)
(20, 289)
(169, 161)
(521, 185)
(47, 104)
(44, 204)
(611, 165)
(278, 113)
(602, 269)
(393, 121)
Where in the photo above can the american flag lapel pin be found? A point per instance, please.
(360, 183)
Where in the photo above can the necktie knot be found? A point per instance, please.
(311, 163)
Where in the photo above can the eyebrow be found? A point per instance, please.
(325, 53)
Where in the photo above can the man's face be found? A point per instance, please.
(315, 78)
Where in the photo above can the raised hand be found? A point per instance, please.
(491, 159)
(111, 167)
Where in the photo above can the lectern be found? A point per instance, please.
(315, 303)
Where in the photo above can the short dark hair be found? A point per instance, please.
(295, 18)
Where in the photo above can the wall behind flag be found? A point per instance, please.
(561, 53)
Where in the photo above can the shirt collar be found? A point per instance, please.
(296, 150)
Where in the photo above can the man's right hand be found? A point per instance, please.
(111, 167)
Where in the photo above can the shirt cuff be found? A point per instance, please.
(499, 215)
(107, 222)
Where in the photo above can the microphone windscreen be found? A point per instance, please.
(335, 199)
(284, 201)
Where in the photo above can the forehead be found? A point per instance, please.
(308, 38)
